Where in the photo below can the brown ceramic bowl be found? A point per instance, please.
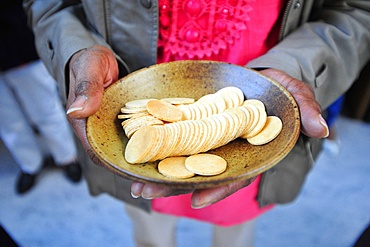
(193, 79)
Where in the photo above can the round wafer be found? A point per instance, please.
(178, 101)
(269, 132)
(206, 164)
(140, 144)
(164, 111)
(138, 103)
(256, 102)
(174, 167)
(262, 118)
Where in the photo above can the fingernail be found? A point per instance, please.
(200, 206)
(73, 109)
(146, 197)
(323, 122)
(78, 105)
(134, 196)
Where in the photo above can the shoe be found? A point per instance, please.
(48, 162)
(25, 182)
(73, 171)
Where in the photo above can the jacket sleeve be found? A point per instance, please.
(328, 52)
(61, 30)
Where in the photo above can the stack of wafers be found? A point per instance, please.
(161, 128)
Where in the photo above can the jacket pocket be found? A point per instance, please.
(321, 76)
(49, 49)
(282, 183)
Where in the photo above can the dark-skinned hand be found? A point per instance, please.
(95, 68)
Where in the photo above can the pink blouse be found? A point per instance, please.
(234, 31)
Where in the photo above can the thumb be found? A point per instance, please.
(84, 100)
(92, 70)
(313, 124)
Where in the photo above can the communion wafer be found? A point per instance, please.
(126, 110)
(139, 103)
(210, 104)
(178, 101)
(174, 167)
(269, 132)
(141, 143)
(255, 112)
(133, 115)
(206, 164)
(233, 96)
(208, 129)
(261, 121)
(256, 102)
(164, 111)
(133, 124)
(214, 102)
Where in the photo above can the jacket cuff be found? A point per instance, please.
(273, 60)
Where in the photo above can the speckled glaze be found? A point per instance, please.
(193, 79)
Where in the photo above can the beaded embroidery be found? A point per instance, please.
(201, 28)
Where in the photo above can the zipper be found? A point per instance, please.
(107, 14)
(284, 20)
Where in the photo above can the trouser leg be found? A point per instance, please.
(39, 97)
(159, 230)
(17, 134)
(241, 235)
(152, 229)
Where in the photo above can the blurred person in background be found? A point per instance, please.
(30, 107)
(314, 48)
(364, 239)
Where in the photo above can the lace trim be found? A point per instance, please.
(201, 28)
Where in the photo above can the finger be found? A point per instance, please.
(136, 189)
(87, 98)
(149, 191)
(312, 122)
(92, 70)
(205, 197)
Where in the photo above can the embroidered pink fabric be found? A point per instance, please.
(234, 31)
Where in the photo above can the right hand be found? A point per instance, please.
(90, 71)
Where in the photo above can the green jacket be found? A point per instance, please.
(324, 43)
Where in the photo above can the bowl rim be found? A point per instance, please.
(181, 183)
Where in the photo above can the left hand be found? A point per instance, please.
(90, 71)
(313, 125)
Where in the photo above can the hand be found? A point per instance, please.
(312, 122)
(313, 125)
(200, 198)
(91, 71)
